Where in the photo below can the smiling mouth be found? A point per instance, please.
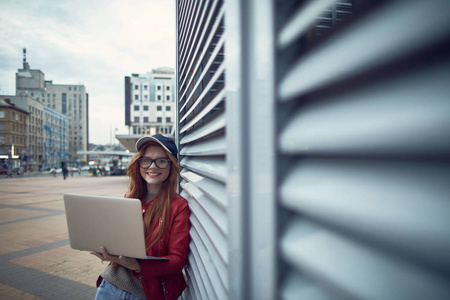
(152, 174)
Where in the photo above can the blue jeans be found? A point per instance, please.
(108, 291)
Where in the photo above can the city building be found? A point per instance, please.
(56, 144)
(70, 100)
(149, 102)
(13, 135)
(47, 134)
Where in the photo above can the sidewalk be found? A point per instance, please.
(36, 261)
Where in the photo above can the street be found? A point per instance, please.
(36, 261)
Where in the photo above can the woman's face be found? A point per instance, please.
(153, 175)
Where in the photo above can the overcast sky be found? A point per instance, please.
(92, 42)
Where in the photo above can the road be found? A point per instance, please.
(36, 261)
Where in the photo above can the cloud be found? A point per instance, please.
(96, 43)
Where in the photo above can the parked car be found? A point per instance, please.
(119, 172)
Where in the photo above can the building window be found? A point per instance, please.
(145, 97)
(136, 97)
(2, 126)
(136, 107)
(158, 87)
(168, 108)
(136, 87)
(168, 98)
(145, 107)
(168, 119)
(168, 88)
(136, 119)
(159, 97)
(159, 119)
(145, 87)
(2, 114)
(159, 108)
(145, 119)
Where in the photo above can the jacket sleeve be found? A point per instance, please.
(178, 248)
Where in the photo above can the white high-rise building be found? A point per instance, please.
(150, 102)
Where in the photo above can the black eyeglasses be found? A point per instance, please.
(161, 163)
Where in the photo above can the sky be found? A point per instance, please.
(91, 42)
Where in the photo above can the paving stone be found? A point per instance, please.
(36, 261)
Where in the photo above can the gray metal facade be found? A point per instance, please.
(314, 144)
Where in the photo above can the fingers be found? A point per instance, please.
(104, 255)
(127, 262)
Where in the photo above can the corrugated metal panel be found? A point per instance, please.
(201, 136)
(364, 116)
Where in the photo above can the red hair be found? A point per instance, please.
(160, 209)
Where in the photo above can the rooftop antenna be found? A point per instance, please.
(25, 64)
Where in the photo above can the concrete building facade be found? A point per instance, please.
(71, 100)
(42, 151)
(149, 102)
(13, 134)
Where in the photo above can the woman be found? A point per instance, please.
(153, 174)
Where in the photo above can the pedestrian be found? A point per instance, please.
(153, 178)
(65, 172)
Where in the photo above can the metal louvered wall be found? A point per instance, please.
(201, 138)
(364, 144)
(333, 178)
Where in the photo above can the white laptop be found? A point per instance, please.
(113, 222)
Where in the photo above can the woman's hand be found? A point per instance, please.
(127, 262)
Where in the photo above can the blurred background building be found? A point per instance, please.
(13, 134)
(58, 120)
(149, 105)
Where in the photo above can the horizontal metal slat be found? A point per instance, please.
(209, 167)
(215, 190)
(206, 110)
(182, 16)
(207, 271)
(296, 287)
(303, 19)
(212, 237)
(193, 44)
(401, 205)
(188, 32)
(342, 55)
(216, 252)
(217, 216)
(205, 90)
(404, 116)
(356, 268)
(185, 25)
(213, 126)
(204, 50)
(198, 271)
(211, 146)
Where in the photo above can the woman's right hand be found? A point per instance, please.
(128, 262)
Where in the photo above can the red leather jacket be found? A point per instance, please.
(163, 279)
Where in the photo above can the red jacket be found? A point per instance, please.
(163, 279)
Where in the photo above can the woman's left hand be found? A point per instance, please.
(127, 262)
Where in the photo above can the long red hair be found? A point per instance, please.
(160, 209)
